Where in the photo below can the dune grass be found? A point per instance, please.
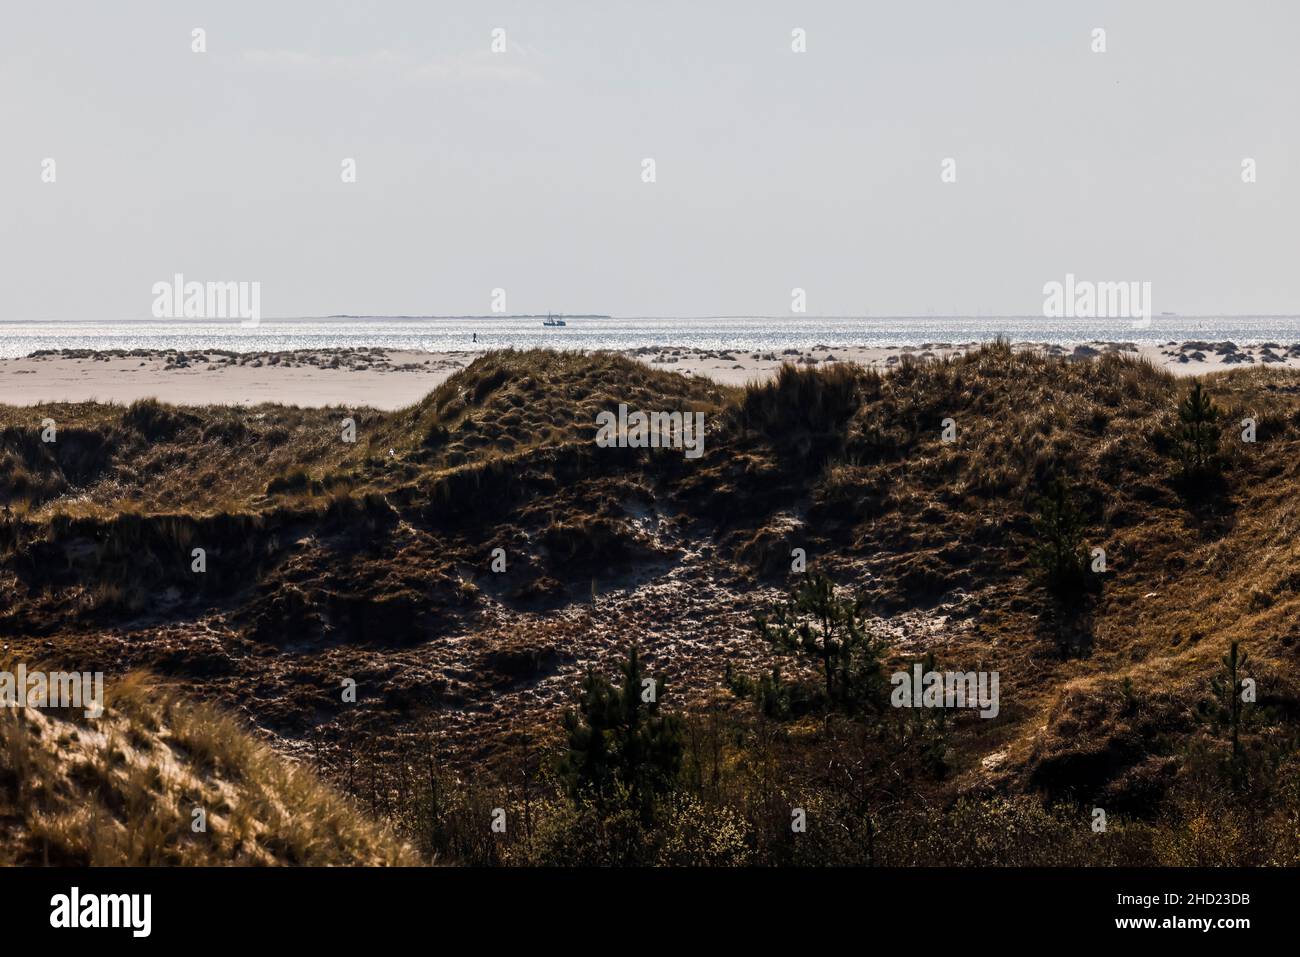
(123, 789)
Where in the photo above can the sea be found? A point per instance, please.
(737, 333)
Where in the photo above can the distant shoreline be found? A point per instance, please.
(597, 332)
(391, 379)
(702, 317)
(502, 316)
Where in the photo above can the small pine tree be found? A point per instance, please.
(817, 623)
(619, 746)
(775, 697)
(1227, 692)
(1198, 436)
(1059, 554)
(930, 730)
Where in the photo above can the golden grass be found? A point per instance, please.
(122, 790)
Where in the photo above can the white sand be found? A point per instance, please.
(391, 380)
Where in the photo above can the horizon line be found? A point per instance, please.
(597, 316)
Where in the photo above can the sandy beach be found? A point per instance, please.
(389, 379)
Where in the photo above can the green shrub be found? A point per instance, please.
(817, 624)
(621, 751)
(1059, 553)
(1197, 441)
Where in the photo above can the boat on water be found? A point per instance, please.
(553, 321)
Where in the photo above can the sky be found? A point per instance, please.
(523, 170)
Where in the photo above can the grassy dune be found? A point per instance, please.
(329, 558)
(123, 788)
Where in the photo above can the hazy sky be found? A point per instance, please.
(522, 170)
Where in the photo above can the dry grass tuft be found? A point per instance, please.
(121, 790)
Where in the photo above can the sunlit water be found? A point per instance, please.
(735, 333)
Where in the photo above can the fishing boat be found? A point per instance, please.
(553, 321)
